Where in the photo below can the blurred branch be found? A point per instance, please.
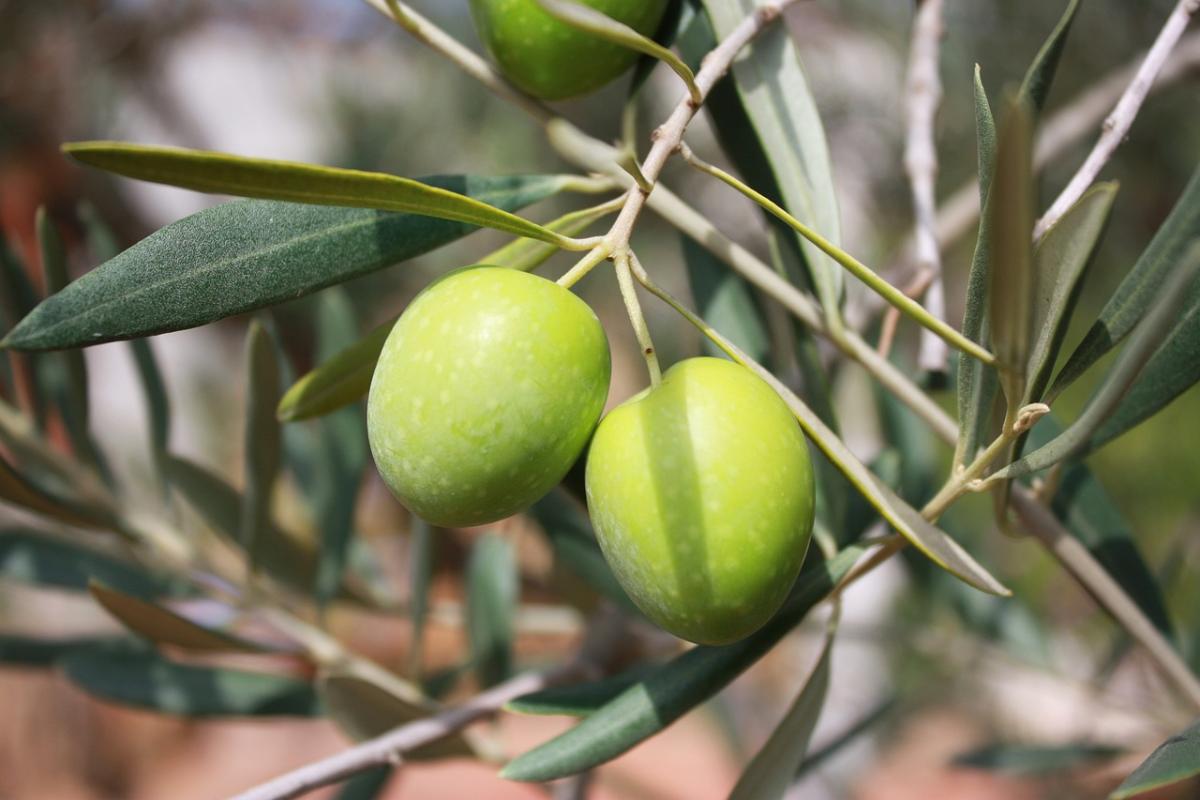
(1118, 123)
(924, 95)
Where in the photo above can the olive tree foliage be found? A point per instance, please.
(305, 229)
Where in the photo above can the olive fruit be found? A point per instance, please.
(486, 391)
(701, 493)
(550, 59)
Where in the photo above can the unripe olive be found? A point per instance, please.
(487, 390)
(701, 493)
(550, 59)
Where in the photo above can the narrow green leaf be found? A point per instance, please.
(420, 577)
(293, 562)
(162, 626)
(774, 90)
(769, 774)
(595, 22)
(1172, 370)
(364, 710)
(341, 379)
(64, 375)
(1175, 760)
(492, 594)
(566, 525)
(838, 743)
(344, 451)
(44, 560)
(147, 680)
(1010, 229)
(18, 298)
(262, 441)
(154, 392)
(581, 699)
(1059, 261)
(1150, 334)
(674, 688)
(724, 299)
(1133, 297)
(977, 382)
(527, 254)
(1040, 75)
(267, 179)
(1017, 759)
(19, 491)
(25, 651)
(241, 256)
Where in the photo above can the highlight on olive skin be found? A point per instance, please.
(701, 493)
(486, 392)
(548, 58)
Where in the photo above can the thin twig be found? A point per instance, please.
(1118, 123)
(924, 95)
(634, 309)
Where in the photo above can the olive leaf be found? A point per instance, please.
(492, 589)
(421, 562)
(144, 679)
(16, 489)
(27, 651)
(262, 441)
(1175, 760)
(1017, 759)
(221, 173)
(779, 105)
(341, 378)
(1035, 88)
(1130, 302)
(244, 255)
(368, 785)
(581, 699)
(162, 626)
(364, 710)
(673, 689)
(44, 560)
(675, 20)
(724, 299)
(769, 774)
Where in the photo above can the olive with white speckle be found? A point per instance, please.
(701, 493)
(486, 392)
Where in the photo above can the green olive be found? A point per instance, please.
(550, 59)
(486, 391)
(701, 493)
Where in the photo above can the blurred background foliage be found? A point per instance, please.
(330, 81)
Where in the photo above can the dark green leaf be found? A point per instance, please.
(1175, 760)
(262, 444)
(344, 451)
(222, 173)
(1036, 86)
(364, 710)
(18, 298)
(1133, 297)
(147, 680)
(25, 651)
(154, 391)
(723, 299)
(581, 699)
(861, 726)
(420, 576)
(161, 626)
(15, 489)
(977, 382)
(240, 256)
(43, 560)
(1035, 760)
(1059, 261)
(673, 689)
(676, 19)
(492, 594)
(369, 785)
(769, 774)
(567, 527)
(1010, 228)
